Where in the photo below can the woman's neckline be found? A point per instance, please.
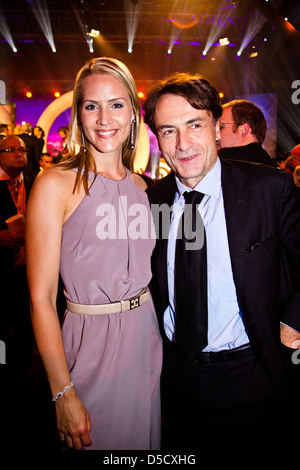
(113, 179)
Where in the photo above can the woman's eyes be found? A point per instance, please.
(117, 105)
(92, 106)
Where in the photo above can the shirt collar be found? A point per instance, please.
(209, 185)
(4, 176)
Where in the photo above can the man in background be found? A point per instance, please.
(243, 130)
(33, 155)
(46, 160)
(15, 325)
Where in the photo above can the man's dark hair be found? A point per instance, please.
(193, 87)
(244, 111)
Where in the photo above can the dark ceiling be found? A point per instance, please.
(190, 23)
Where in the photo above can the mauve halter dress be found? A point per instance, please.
(114, 360)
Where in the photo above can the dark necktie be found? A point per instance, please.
(13, 187)
(191, 279)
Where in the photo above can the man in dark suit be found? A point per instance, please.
(15, 325)
(242, 132)
(33, 152)
(234, 389)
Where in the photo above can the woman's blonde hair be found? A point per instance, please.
(79, 155)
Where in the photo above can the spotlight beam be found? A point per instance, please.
(85, 30)
(255, 23)
(217, 27)
(174, 37)
(132, 19)
(4, 29)
(42, 15)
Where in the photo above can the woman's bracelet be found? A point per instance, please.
(60, 394)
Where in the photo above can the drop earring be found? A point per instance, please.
(132, 134)
(83, 141)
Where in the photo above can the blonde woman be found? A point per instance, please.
(87, 219)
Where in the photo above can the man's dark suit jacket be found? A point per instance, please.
(261, 205)
(33, 157)
(8, 209)
(253, 152)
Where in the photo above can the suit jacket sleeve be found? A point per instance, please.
(290, 215)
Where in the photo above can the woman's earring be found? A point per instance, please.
(83, 141)
(132, 134)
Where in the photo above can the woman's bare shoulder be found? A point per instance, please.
(139, 181)
(54, 178)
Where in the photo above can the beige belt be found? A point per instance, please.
(115, 307)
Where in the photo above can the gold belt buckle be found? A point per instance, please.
(134, 303)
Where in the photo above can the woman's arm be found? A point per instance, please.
(45, 213)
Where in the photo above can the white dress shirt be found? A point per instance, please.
(225, 326)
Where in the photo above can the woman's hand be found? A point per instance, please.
(73, 421)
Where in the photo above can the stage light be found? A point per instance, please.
(4, 29)
(169, 51)
(41, 13)
(57, 94)
(254, 54)
(255, 23)
(224, 42)
(94, 33)
(141, 94)
(132, 20)
(221, 94)
(29, 94)
(224, 13)
(90, 43)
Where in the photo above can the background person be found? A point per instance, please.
(242, 133)
(46, 160)
(15, 325)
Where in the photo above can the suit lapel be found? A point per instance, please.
(236, 195)
(166, 196)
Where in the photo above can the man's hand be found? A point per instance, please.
(289, 337)
(9, 240)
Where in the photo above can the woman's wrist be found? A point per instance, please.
(60, 394)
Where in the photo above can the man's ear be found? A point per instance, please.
(244, 130)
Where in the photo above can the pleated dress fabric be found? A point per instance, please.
(114, 360)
